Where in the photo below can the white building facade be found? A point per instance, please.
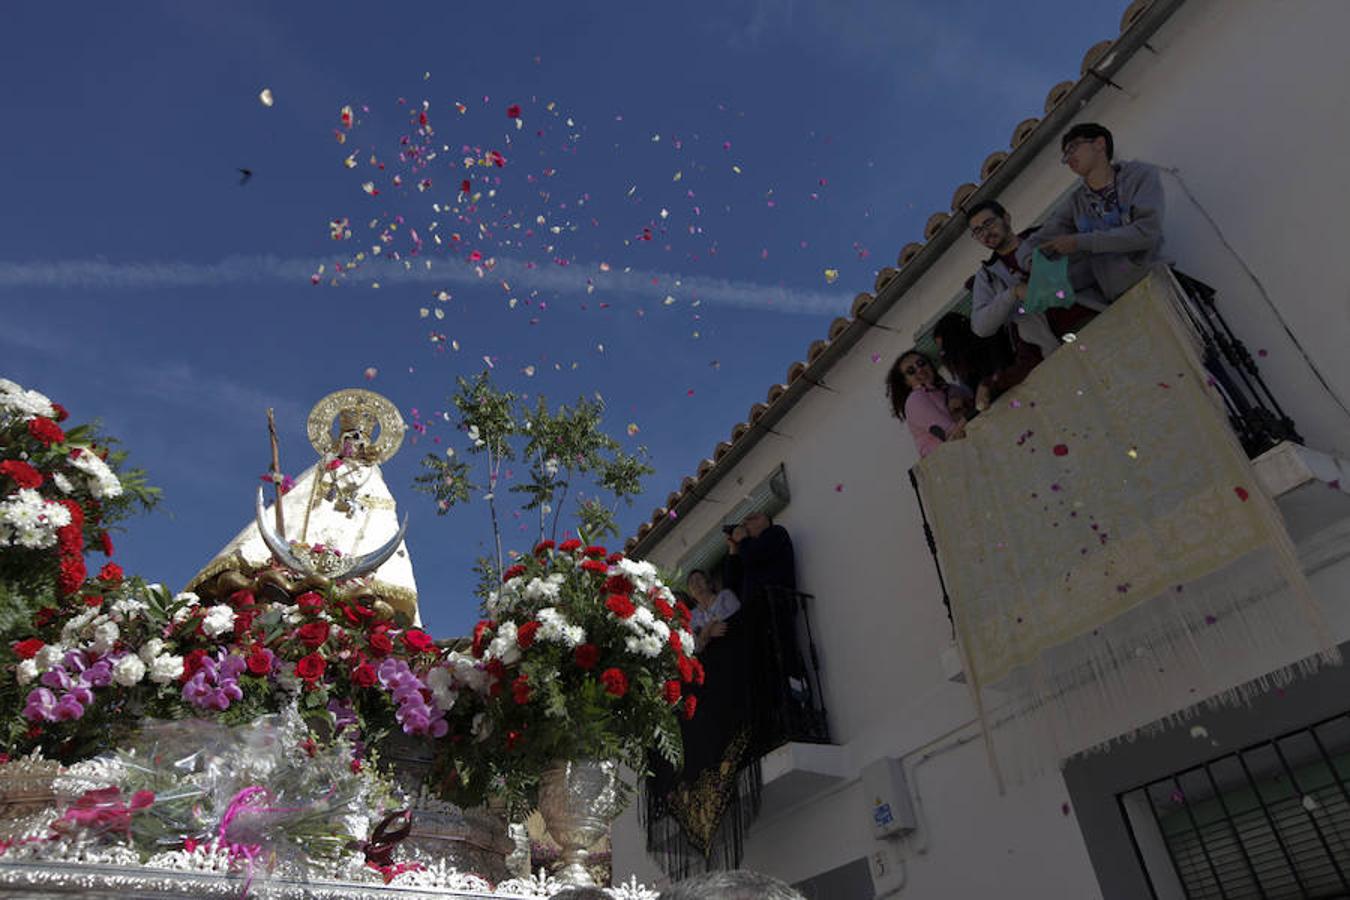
(1246, 103)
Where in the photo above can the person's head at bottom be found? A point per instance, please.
(582, 893)
(737, 884)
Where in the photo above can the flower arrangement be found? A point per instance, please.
(585, 655)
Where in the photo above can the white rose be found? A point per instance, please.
(219, 619)
(166, 668)
(105, 637)
(129, 670)
(26, 671)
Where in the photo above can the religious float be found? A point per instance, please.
(283, 727)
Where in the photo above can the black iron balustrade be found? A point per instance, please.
(788, 698)
(1256, 416)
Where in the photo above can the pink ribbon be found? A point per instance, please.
(244, 800)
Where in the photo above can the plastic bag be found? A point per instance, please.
(1049, 285)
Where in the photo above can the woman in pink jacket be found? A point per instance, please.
(935, 411)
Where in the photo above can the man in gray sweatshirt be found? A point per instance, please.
(1111, 225)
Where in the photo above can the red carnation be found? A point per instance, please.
(418, 641)
(312, 634)
(513, 111)
(70, 540)
(379, 643)
(310, 667)
(309, 602)
(685, 615)
(61, 414)
(192, 662)
(106, 540)
(586, 656)
(71, 575)
(614, 557)
(45, 431)
(465, 186)
(676, 644)
(43, 617)
(671, 692)
(242, 599)
(29, 648)
(620, 605)
(595, 551)
(596, 566)
(24, 475)
(111, 572)
(569, 545)
(615, 682)
(542, 547)
(690, 704)
(520, 690)
(686, 667)
(525, 634)
(698, 672)
(76, 512)
(618, 584)
(364, 675)
(94, 600)
(514, 572)
(663, 608)
(259, 661)
(479, 633)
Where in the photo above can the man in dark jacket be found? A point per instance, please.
(1111, 225)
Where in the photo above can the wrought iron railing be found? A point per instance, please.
(789, 702)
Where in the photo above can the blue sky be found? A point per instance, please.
(141, 284)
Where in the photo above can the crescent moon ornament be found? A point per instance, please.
(361, 410)
(298, 558)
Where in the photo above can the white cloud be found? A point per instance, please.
(98, 274)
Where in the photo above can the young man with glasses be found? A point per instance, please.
(1111, 225)
(998, 288)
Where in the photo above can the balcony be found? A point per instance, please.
(1110, 529)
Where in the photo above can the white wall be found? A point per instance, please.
(1248, 98)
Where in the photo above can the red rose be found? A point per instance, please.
(596, 566)
(111, 572)
(106, 540)
(309, 602)
(24, 475)
(698, 672)
(259, 661)
(520, 690)
(617, 584)
(595, 551)
(614, 682)
(310, 667)
(586, 656)
(312, 634)
(513, 572)
(243, 621)
(479, 634)
(685, 615)
(525, 634)
(663, 608)
(614, 557)
(542, 547)
(690, 704)
(45, 431)
(569, 545)
(71, 575)
(671, 692)
(29, 648)
(380, 644)
(93, 600)
(1061, 450)
(364, 675)
(620, 605)
(418, 641)
(686, 667)
(76, 512)
(192, 662)
(43, 617)
(242, 599)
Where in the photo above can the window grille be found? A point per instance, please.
(1270, 821)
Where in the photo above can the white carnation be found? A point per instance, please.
(32, 521)
(166, 668)
(71, 631)
(219, 619)
(661, 629)
(26, 671)
(644, 617)
(545, 589)
(103, 481)
(150, 649)
(555, 628)
(62, 483)
(638, 571)
(25, 404)
(129, 670)
(686, 641)
(648, 646)
(105, 637)
(504, 646)
(129, 606)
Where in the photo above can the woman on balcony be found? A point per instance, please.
(935, 411)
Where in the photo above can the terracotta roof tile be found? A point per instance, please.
(883, 276)
(837, 327)
(795, 371)
(935, 223)
(813, 352)
(1057, 95)
(1095, 54)
(1023, 131)
(962, 195)
(1132, 13)
(775, 392)
(908, 252)
(991, 163)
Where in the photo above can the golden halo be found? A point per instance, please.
(364, 403)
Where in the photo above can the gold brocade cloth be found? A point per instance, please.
(1108, 488)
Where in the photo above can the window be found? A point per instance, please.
(1269, 821)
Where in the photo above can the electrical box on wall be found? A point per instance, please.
(889, 804)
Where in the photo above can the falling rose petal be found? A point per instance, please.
(690, 392)
(1061, 450)
(1059, 294)
(346, 116)
(1177, 796)
(633, 429)
(1064, 809)
(1199, 732)
(838, 488)
(265, 97)
(513, 111)
(1241, 493)
(371, 373)
(876, 358)
(831, 276)
(1262, 353)
(1210, 619)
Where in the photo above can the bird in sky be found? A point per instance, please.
(244, 176)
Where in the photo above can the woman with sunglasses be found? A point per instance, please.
(934, 410)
